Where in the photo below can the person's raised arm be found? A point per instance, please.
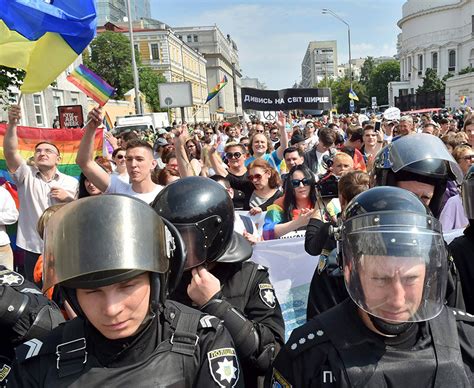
(283, 135)
(10, 141)
(216, 163)
(85, 156)
(184, 166)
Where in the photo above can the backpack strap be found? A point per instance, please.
(71, 354)
(184, 339)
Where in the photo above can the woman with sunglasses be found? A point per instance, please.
(266, 182)
(292, 211)
(118, 157)
(260, 145)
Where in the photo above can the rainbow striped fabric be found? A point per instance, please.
(464, 100)
(107, 122)
(216, 89)
(67, 140)
(91, 84)
(44, 37)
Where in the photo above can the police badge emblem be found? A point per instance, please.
(224, 367)
(10, 278)
(267, 294)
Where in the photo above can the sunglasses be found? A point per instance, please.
(209, 133)
(468, 157)
(255, 177)
(259, 131)
(296, 182)
(120, 156)
(235, 155)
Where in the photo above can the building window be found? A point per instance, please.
(74, 98)
(189, 38)
(409, 67)
(451, 60)
(434, 61)
(195, 38)
(57, 98)
(137, 49)
(38, 109)
(155, 51)
(420, 64)
(180, 37)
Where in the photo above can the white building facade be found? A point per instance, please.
(436, 34)
(319, 62)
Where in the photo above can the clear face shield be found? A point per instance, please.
(421, 147)
(395, 265)
(198, 237)
(467, 192)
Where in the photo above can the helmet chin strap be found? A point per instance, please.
(389, 328)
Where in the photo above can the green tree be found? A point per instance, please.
(111, 59)
(149, 80)
(340, 93)
(431, 83)
(380, 77)
(366, 71)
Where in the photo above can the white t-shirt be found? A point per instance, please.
(117, 186)
(8, 214)
(35, 198)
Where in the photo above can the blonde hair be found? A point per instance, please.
(44, 219)
(343, 157)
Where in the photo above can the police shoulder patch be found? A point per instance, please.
(224, 367)
(28, 349)
(267, 294)
(307, 336)
(278, 381)
(10, 278)
(4, 372)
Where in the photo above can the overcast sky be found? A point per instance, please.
(272, 35)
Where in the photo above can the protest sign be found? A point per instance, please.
(70, 116)
(286, 99)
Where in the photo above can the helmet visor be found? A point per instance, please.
(411, 149)
(396, 273)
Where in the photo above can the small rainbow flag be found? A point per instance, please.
(464, 100)
(67, 141)
(108, 122)
(216, 89)
(91, 84)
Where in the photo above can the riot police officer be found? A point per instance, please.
(25, 313)
(395, 329)
(419, 163)
(462, 247)
(219, 278)
(111, 257)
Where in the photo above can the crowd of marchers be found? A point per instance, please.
(145, 268)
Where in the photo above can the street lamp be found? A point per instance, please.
(328, 11)
(138, 106)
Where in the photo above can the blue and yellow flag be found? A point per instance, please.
(43, 37)
(353, 95)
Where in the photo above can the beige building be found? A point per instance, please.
(164, 52)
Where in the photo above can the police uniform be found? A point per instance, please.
(461, 249)
(336, 349)
(24, 314)
(248, 305)
(179, 348)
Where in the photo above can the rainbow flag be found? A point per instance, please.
(464, 100)
(44, 37)
(67, 140)
(108, 122)
(91, 84)
(216, 89)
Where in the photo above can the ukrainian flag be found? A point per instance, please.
(353, 95)
(43, 37)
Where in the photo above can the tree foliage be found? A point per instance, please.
(431, 83)
(379, 79)
(111, 59)
(340, 93)
(149, 81)
(366, 70)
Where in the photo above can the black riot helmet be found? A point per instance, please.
(419, 157)
(395, 260)
(203, 213)
(467, 192)
(103, 240)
